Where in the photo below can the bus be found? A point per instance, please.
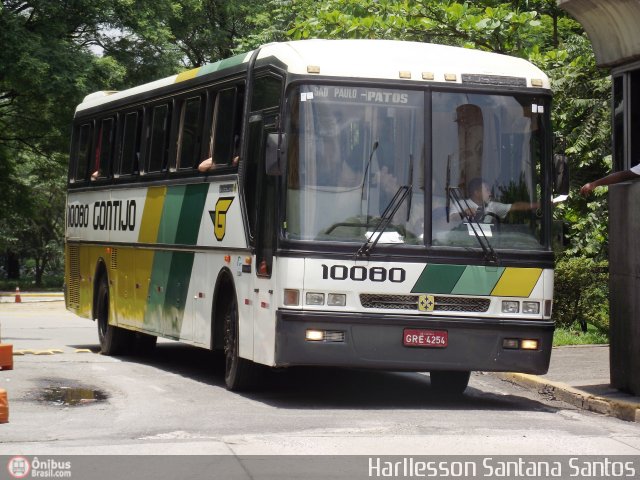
(368, 203)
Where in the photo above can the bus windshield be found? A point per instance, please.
(351, 149)
(487, 152)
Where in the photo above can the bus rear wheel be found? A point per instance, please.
(113, 340)
(449, 382)
(240, 373)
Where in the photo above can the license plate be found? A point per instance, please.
(425, 338)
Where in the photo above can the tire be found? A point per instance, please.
(449, 382)
(239, 373)
(113, 340)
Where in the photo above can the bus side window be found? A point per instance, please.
(267, 91)
(83, 150)
(190, 133)
(159, 139)
(227, 123)
(103, 150)
(130, 143)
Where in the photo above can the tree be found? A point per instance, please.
(58, 52)
(45, 72)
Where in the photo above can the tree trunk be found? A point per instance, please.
(40, 265)
(12, 265)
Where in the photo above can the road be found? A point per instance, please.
(174, 402)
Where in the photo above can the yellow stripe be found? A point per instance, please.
(517, 282)
(188, 75)
(151, 215)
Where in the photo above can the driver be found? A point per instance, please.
(482, 207)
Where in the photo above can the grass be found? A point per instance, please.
(574, 336)
(50, 283)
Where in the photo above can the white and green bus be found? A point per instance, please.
(372, 204)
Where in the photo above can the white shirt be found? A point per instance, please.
(636, 169)
(497, 208)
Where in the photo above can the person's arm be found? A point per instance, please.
(522, 206)
(206, 165)
(616, 177)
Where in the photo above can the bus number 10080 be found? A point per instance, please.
(360, 274)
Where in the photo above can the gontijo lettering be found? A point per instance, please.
(114, 215)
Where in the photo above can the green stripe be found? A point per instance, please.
(171, 214)
(191, 214)
(477, 280)
(154, 314)
(222, 64)
(177, 289)
(171, 271)
(438, 278)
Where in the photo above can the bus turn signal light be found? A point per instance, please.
(291, 297)
(519, 344)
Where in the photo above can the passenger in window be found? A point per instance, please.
(95, 175)
(209, 164)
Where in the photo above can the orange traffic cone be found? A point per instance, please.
(18, 299)
(4, 407)
(6, 356)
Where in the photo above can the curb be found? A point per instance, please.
(621, 409)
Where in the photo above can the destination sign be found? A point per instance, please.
(380, 96)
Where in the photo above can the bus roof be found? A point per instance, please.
(374, 59)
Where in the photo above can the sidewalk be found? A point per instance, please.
(579, 375)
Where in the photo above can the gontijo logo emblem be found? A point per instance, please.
(219, 217)
(19, 467)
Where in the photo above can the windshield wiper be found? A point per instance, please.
(490, 254)
(391, 209)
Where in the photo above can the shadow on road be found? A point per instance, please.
(324, 387)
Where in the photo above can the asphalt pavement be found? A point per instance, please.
(578, 375)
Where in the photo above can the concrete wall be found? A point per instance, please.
(612, 26)
(624, 283)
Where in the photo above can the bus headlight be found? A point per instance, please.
(336, 300)
(509, 306)
(531, 307)
(314, 298)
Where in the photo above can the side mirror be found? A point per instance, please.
(273, 153)
(560, 174)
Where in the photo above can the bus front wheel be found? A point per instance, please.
(113, 340)
(239, 373)
(449, 382)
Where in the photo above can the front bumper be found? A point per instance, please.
(375, 341)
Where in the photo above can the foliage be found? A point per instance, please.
(44, 74)
(581, 293)
(582, 120)
(494, 26)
